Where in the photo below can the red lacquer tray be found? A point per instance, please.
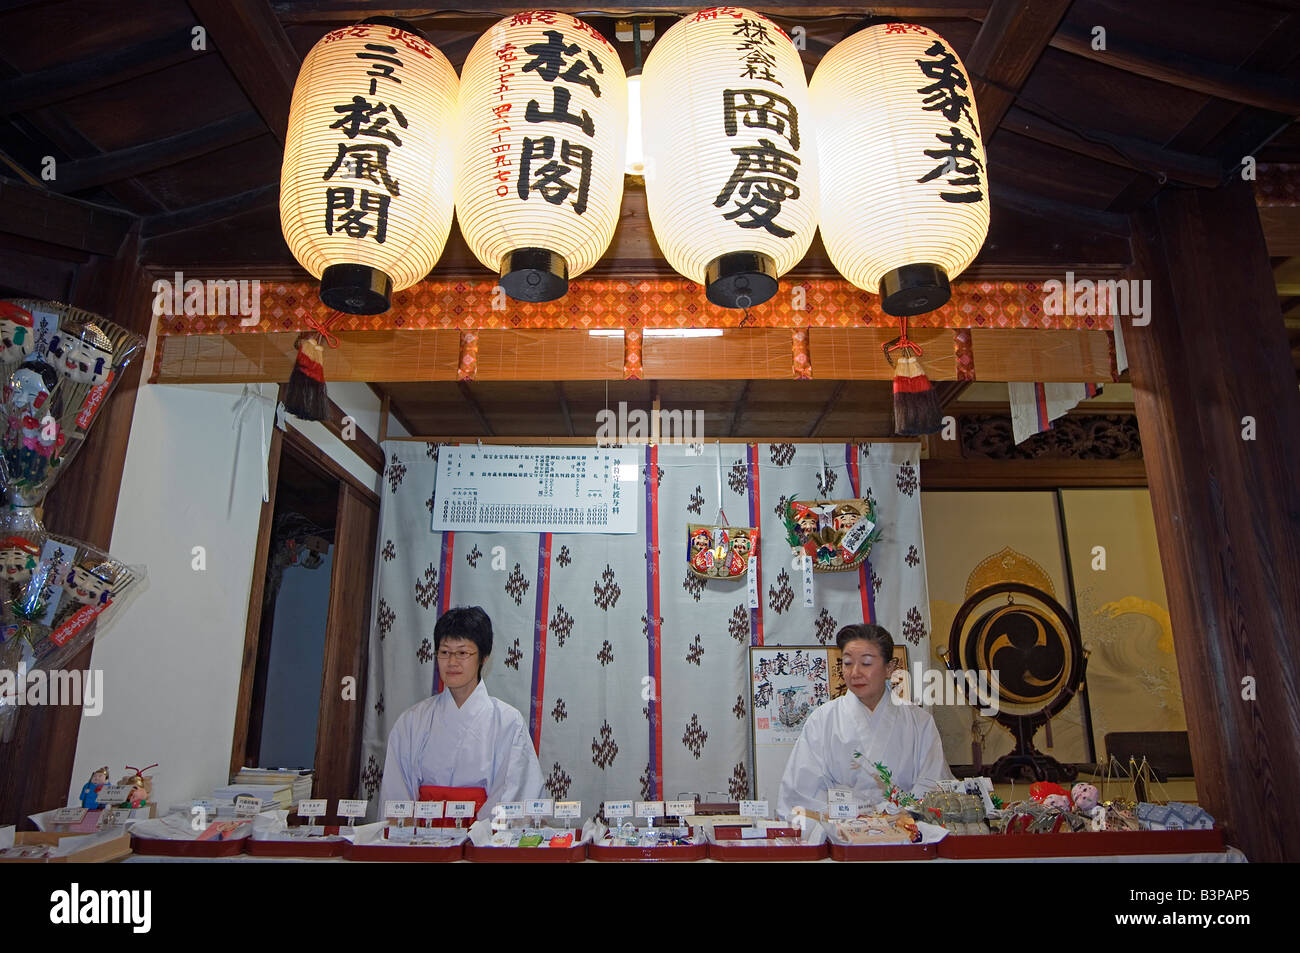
(1080, 844)
(675, 853)
(728, 845)
(161, 847)
(857, 852)
(403, 853)
(526, 855)
(315, 847)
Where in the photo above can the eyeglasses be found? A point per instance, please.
(459, 656)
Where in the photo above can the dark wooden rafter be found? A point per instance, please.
(739, 409)
(151, 156)
(346, 11)
(826, 411)
(89, 74)
(1261, 90)
(563, 400)
(58, 220)
(1124, 151)
(1108, 223)
(1010, 41)
(474, 406)
(209, 213)
(254, 45)
(949, 391)
(360, 443)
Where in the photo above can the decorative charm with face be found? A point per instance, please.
(88, 356)
(16, 337)
(845, 517)
(88, 588)
(27, 389)
(806, 520)
(701, 556)
(18, 558)
(1085, 796)
(741, 545)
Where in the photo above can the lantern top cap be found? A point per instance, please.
(397, 22)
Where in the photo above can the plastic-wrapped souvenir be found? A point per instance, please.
(837, 534)
(16, 336)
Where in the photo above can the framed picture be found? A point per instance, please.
(787, 683)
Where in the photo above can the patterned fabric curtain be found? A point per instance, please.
(631, 672)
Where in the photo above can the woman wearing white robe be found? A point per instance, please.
(461, 737)
(843, 739)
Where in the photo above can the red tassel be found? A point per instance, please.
(304, 395)
(916, 406)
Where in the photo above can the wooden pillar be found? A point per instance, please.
(1213, 360)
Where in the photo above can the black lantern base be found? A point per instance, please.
(741, 279)
(914, 289)
(534, 274)
(356, 289)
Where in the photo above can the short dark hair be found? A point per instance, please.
(466, 622)
(876, 634)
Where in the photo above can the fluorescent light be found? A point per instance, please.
(663, 333)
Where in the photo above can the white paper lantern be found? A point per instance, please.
(731, 165)
(366, 191)
(904, 189)
(543, 120)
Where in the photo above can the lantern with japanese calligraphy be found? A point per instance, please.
(904, 190)
(366, 191)
(731, 170)
(543, 120)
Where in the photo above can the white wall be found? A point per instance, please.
(173, 656)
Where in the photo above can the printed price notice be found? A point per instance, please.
(568, 809)
(753, 809)
(353, 808)
(619, 809)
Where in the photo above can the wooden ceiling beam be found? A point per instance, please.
(1137, 154)
(830, 405)
(254, 45)
(138, 160)
(1085, 218)
(43, 216)
(739, 409)
(207, 213)
(339, 11)
(1261, 90)
(564, 408)
(85, 75)
(1013, 36)
(477, 408)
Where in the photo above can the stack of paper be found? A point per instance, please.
(271, 796)
(300, 780)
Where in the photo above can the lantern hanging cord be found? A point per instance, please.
(901, 343)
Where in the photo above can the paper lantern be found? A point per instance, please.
(904, 190)
(731, 167)
(366, 191)
(543, 119)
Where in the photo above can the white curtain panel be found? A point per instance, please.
(629, 671)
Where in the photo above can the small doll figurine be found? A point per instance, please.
(701, 557)
(88, 587)
(739, 559)
(33, 436)
(1085, 796)
(141, 787)
(90, 790)
(16, 337)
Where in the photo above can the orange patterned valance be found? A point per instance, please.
(666, 303)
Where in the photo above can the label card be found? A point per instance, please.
(352, 808)
(568, 809)
(649, 809)
(807, 582)
(752, 577)
(511, 810)
(680, 808)
(753, 809)
(429, 810)
(313, 808)
(618, 809)
(844, 811)
(460, 809)
(205, 804)
(399, 809)
(114, 793)
(841, 796)
(70, 815)
(246, 806)
(541, 807)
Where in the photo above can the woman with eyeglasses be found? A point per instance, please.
(461, 744)
(842, 741)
